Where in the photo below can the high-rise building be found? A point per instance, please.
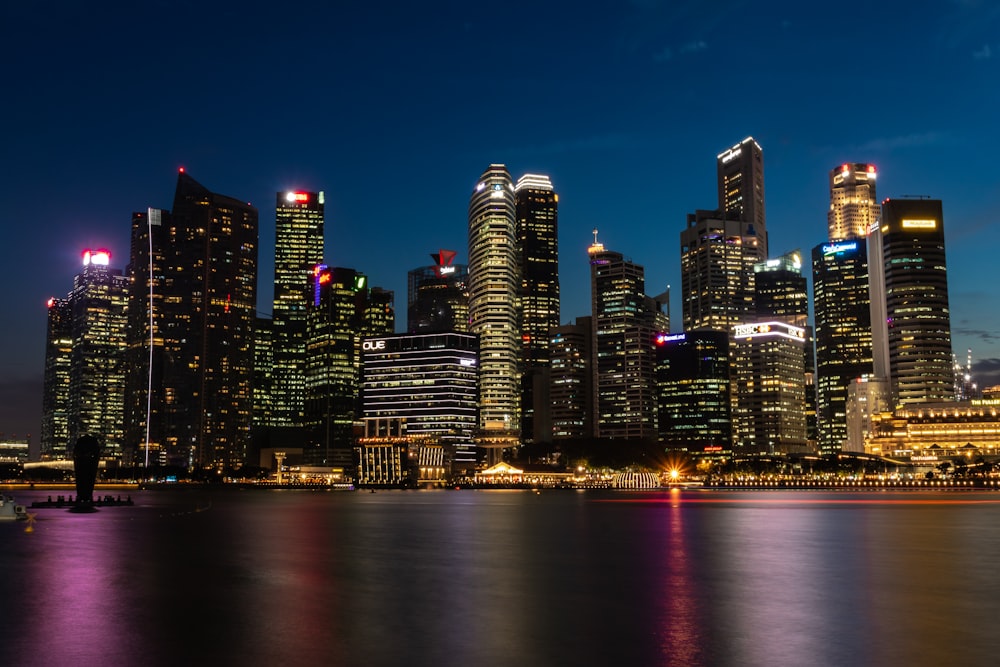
(98, 306)
(917, 323)
(782, 294)
(344, 311)
(853, 206)
(717, 276)
(537, 209)
(194, 277)
(570, 386)
(693, 392)
(56, 380)
(298, 247)
(429, 381)
(740, 172)
(767, 365)
(438, 296)
(625, 323)
(494, 308)
(843, 332)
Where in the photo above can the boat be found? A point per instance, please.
(11, 511)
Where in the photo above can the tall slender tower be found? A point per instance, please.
(494, 306)
(298, 245)
(841, 298)
(55, 386)
(537, 207)
(625, 323)
(98, 304)
(917, 326)
(741, 188)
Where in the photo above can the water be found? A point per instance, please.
(506, 578)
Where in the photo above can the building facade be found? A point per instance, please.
(56, 380)
(438, 296)
(298, 247)
(740, 173)
(854, 208)
(494, 308)
(570, 380)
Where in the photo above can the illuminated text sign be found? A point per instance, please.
(373, 345)
(919, 224)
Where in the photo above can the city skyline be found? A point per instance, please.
(624, 123)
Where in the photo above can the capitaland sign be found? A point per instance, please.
(372, 345)
(838, 248)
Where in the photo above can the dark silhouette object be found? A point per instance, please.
(85, 456)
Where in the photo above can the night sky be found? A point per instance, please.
(395, 109)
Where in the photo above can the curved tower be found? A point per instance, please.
(494, 286)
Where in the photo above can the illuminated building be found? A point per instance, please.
(693, 392)
(494, 308)
(298, 247)
(867, 397)
(537, 209)
(158, 326)
(570, 392)
(427, 380)
(263, 363)
(934, 432)
(740, 171)
(781, 293)
(437, 296)
(56, 381)
(916, 329)
(717, 276)
(625, 322)
(344, 310)
(98, 305)
(842, 314)
(767, 366)
(203, 293)
(853, 206)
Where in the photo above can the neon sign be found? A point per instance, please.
(96, 257)
(373, 345)
(919, 224)
(662, 339)
(297, 197)
(838, 248)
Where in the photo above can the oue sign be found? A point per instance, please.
(373, 345)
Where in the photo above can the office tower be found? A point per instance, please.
(56, 380)
(867, 399)
(853, 206)
(625, 322)
(767, 365)
(298, 247)
(782, 294)
(740, 171)
(693, 392)
(429, 381)
(263, 379)
(438, 296)
(570, 391)
(344, 311)
(194, 272)
(98, 306)
(494, 308)
(917, 327)
(536, 205)
(843, 332)
(717, 276)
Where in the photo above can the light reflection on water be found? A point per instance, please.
(504, 578)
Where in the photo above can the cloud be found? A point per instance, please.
(985, 336)
(904, 141)
(986, 372)
(984, 53)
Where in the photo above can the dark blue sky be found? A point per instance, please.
(394, 109)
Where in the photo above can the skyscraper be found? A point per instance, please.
(625, 323)
(843, 332)
(298, 246)
(437, 296)
(693, 392)
(740, 171)
(853, 206)
(98, 306)
(767, 363)
(717, 276)
(570, 380)
(917, 323)
(56, 380)
(494, 306)
(536, 205)
(198, 295)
